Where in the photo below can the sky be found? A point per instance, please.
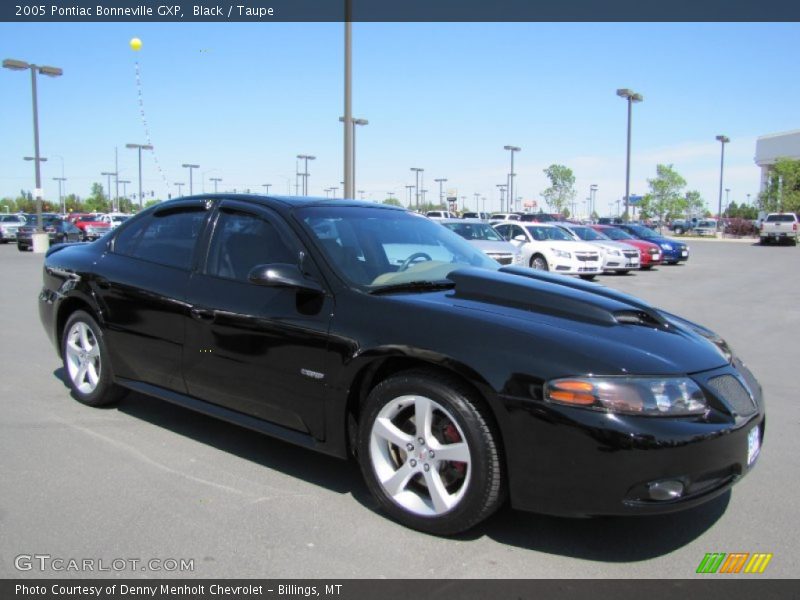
(243, 100)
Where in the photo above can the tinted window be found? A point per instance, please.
(166, 238)
(548, 233)
(475, 231)
(242, 241)
(781, 219)
(588, 234)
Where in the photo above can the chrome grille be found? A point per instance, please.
(587, 256)
(503, 259)
(631, 253)
(734, 394)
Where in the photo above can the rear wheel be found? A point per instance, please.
(86, 361)
(539, 263)
(429, 453)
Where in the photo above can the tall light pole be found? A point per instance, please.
(593, 194)
(191, 170)
(417, 171)
(21, 65)
(266, 187)
(722, 139)
(355, 122)
(216, 180)
(361, 193)
(109, 175)
(306, 158)
(179, 185)
(333, 191)
(124, 183)
(60, 180)
(631, 97)
(349, 184)
(140, 147)
(511, 176)
(409, 188)
(441, 193)
(502, 188)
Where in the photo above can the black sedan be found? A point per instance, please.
(363, 330)
(58, 230)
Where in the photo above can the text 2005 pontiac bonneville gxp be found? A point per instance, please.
(364, 330)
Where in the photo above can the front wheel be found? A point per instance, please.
(429, 453)
(539, 263)
(86, 361)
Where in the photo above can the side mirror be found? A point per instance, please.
(282, 275)
(520, 238)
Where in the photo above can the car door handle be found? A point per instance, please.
(202, 314)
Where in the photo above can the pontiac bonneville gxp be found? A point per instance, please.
(362, 330)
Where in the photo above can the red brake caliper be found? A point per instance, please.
(451, 436)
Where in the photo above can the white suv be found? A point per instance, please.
(550, 248)
(9, 224)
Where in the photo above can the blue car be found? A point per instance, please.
(673, 250)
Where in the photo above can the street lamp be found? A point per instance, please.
(631, 97)
(441, 194)
(511, 175)
(216, 180)
(140, 147)
(109, 175)
(60, 180)
(21, 65)
(179, 185)
(417, 171)
(124, 183)
(722, 139)
(409, 188)
(361, 193)
(355, 122)
(333, 191)
(502, 188)
(593, 195)
(191, 170)
(306, 158)
(266, 187)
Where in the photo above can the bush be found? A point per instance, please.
(740, 227)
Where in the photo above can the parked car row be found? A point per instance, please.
(75, 227)
(571, 248)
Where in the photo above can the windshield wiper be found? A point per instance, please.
(414, 286)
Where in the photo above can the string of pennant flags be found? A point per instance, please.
(147, 135)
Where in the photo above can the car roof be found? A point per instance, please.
(286, 201)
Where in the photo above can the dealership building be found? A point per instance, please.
(769, 148)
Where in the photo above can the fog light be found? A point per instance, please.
(669, 489)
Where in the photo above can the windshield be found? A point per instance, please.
(642, 231)
(541, 233)
(475, 231)
(588, 234)
(780, 219)
(373, 248)
(618, 234)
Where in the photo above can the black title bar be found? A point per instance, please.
(180, 11)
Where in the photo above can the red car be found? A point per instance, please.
(92, 227)
(650, 253)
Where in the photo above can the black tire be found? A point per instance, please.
(587, 277)
(623, 272)
(646, 267)
(104, 391)
(481, 488)
(22, 248)
(539, 263)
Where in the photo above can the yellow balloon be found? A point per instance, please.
(136, 44)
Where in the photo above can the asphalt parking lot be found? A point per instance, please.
(148, 480)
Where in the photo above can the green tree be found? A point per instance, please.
(665, 199)
(393, 202)
(695, 205)
(97, 201)
(782, 193)
(561, 192)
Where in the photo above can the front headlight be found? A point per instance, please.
(561, 253)
(666, 246)
(649, 396)
(614, 252)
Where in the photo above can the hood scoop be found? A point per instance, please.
(554, 295)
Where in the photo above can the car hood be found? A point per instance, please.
(570, 324)
(568, 245)
(664, 240)
(493, 247)
(608, 244)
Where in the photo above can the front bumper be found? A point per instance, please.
(576, 462)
